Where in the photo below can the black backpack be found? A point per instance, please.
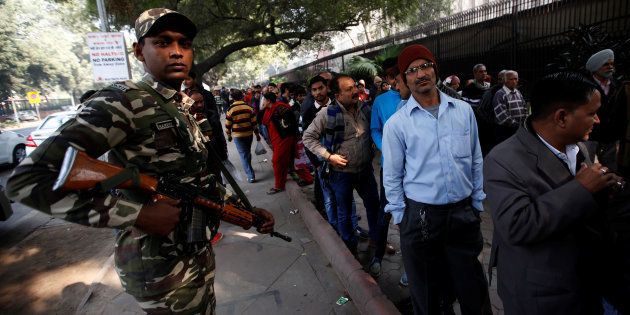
(283, 118)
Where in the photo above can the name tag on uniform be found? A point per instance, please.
(165, 134)
(163, 125)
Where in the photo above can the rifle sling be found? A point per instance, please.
(229, 178)
(174, 113)
(130, 172)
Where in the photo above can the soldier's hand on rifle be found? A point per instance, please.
(159, 217)
(267, 226)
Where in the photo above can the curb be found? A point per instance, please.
(365, 292)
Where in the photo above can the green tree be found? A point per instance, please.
(251, 65)
(44, 48)
(228, 26)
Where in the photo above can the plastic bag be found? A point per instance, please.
(301, 161)
(260, 148)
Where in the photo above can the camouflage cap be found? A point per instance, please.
(152, 18)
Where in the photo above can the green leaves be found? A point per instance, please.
(47, 52)
(362, 68)
(227, 26)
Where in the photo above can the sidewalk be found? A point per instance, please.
(392, 265)
(52, 266)
(63, 268)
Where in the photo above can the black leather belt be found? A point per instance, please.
(448, 206)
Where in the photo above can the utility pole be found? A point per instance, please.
(102, 14)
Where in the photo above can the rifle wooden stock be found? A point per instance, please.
(86, 172)
(80, 171)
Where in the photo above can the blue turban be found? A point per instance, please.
(599, 59)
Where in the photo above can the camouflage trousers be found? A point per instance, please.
(163, 277)
(189, 299)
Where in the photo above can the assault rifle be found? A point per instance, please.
(81, 172)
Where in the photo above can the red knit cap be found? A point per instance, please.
(414, 52)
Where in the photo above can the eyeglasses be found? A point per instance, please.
(422, 67)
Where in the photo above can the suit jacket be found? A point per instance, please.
(542, 241)
(610, 128)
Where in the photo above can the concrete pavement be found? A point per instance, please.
(256, 274)
(58, 267)
(392, 265)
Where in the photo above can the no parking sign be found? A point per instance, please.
(33, 97)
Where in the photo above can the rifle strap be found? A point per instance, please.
(130, 172)
(173, 112)
(228, 177)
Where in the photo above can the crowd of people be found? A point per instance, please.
(550, 168)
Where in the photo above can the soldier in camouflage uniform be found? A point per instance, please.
(144, 125)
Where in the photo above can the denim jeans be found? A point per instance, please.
(331, 207)
(244, 148)
(383, 222)
(343, 185)
(264, 132)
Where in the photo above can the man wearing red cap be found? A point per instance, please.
(432, 174)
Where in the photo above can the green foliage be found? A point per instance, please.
(362, 68)
(389, 52)
(232, 25)
(47, 49)
(251, 65)
(8, 124)
(278, 80)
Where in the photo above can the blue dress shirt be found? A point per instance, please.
(383, 108)
(432, 160)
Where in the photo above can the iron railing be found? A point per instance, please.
(523, 35)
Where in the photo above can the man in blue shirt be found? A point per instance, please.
(384, 107)
(432, 173)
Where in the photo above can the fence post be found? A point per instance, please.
(438, 37)
(514, 52)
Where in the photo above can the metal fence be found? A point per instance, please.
(47, 104)
(524, 35)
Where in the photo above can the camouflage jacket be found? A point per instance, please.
(126, 120)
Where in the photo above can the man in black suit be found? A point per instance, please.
(545, 204)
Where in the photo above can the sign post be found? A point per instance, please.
(34, 99)
(108, 56)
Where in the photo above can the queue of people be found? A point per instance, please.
(551, 175)
(540, 154)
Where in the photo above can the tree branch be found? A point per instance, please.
(220, 55)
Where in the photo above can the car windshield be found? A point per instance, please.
(53, 122)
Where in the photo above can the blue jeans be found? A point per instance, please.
(330, 205)
(265, 134)
(343, 185)
(244, 148)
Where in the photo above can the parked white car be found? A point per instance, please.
(27, 115)
(49, 125)
(12, 147)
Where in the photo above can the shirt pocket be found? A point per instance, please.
(460, 145)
